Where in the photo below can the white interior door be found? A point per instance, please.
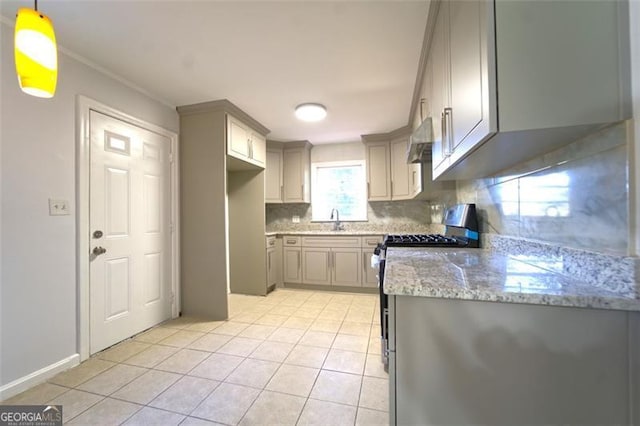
(130, 265)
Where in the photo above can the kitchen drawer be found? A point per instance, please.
(290, 241)
(346, 241)
(371, 241)
(271, 241)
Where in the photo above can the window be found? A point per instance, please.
(338, 185)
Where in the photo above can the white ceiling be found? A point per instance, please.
(359, 58)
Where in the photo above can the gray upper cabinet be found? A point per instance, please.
(463, 110)
(406, 179)
(245, 144)
(288, 172)
(297, 175)
(389, 177)
(506, 81)
(378, 171)
(273, 182)
(469, 95)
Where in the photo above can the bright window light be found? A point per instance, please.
(338, 185)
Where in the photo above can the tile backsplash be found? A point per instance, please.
(383, 216)
(576, 196)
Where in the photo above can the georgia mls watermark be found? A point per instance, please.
(30, 415)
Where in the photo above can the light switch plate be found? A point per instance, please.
(58, 207)
(295, 219)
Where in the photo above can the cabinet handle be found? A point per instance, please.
(291, 241)
(443, 127)
(368, 191)
(448, 113)
(302, 192)
(281, 192)
(413, 177)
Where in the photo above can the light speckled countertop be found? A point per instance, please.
(327, 233)
(488, 275)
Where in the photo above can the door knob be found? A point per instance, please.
(99, 250)
(97, 234)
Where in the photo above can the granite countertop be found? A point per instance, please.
(487, 275)
(328, 233)
(355, 229)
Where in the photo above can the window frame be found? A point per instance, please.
(334, 164)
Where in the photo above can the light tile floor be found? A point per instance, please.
(294, 357)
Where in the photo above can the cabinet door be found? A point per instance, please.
(378, 172)
(237, 139)
(437, 64)
(292, 265)
(369, 274)
(271, 267)
(346, 267)
(466, 70)
(294, 176)
(273, 177)
(258, 148)
(315, 266)
(415, 179)
(277, 263)
(401, 179)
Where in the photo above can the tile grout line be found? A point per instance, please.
(345, 310)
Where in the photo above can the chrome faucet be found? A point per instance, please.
(336, 224)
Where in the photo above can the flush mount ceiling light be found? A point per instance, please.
(311, 112)
(36, 54)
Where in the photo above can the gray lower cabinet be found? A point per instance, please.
(320, 260)
(291, 259)
(274, 262)
(369, 274)
(471, 362)
(316, 265)
(331, 266)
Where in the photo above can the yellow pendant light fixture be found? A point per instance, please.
(36, 53)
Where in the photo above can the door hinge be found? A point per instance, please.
(171, 158)
(171, 228)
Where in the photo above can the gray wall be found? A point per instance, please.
(576, 196)
(38, 305)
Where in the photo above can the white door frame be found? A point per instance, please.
(83, 233)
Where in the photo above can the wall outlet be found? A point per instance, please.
(58, 207)
(295, 219)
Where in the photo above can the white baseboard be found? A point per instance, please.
(37, 377)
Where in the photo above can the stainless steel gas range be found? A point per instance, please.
(461, 230)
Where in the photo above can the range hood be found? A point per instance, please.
(420, 143)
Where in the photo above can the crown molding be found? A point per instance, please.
(223, 105)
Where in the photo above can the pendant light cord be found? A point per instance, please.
(36, 1)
